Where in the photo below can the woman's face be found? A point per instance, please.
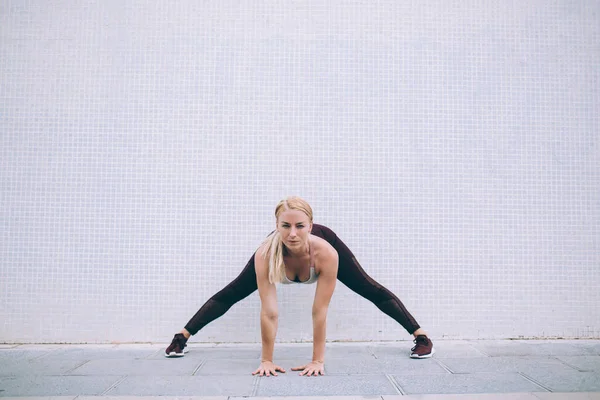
(294, 228)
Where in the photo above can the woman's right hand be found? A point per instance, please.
(267, 368)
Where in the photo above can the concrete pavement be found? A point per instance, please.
(463, 369)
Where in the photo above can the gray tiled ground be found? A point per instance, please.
(383, 365)
(468, 383)
(453, 348)
(494, 348)
(467, 396)
(582, 363)
(222, 353)
(589, 347)
(567, 396)
(240, 367)
(16, 354)
(352, 369)
(185, 386)
(40, 366)
(137, 367)
(503, 364)
(567, 381)
(107, 352)
(55, 385)
(292, 384)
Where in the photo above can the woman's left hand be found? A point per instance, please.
(314, 368)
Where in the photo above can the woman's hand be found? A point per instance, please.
(313, 368)
(267, 368)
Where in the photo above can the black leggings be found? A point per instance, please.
(350, 273)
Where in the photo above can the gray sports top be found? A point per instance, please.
(313, 275)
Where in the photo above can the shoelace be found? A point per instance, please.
(178, 341)
(420, 341)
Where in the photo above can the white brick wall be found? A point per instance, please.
(452, 145)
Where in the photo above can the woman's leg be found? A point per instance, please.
(240, 288)
(351, 274)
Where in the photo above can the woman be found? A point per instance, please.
(299, 251)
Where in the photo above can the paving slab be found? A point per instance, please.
(135, 367)
(502, 364)
(307, 398)
(153, 398)
(299, 352)
(467, 383)
(345, 350)
(295, 385)
(442, 348)
(184, 386)
(56, 385)
(566, 381)
(383, 365)
(19, 353)
(477, 396)
(372, 370)
(222, 353)
(567, 396)
(240, 367)
(589, 347)
(109, 352)
(44, 398)
(582, 363)
(494, 348)
(39, 366)
(150, 398)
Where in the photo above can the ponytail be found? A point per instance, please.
(274, 252)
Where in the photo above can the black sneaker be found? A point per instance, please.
(423, 349)
(177, 348)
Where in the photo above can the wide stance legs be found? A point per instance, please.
(350, 273)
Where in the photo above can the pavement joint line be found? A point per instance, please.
(199, 366)
(151, 355)
(478, 350)
(255, 385)
(77, 366)
(441, 364)
(372, 352)
(534, 381)
(568, 365)
(46, 354)
(114, 385)
(395, 384)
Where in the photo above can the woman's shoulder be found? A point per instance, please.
(323, 252)
(260, 259)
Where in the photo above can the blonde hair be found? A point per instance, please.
(273, 245)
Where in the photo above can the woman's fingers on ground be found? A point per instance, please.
(312, 372)
(268, 371)
(261, 372)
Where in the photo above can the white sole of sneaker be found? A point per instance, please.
(427, 356)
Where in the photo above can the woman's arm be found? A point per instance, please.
(325, 287)
(268, 316)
